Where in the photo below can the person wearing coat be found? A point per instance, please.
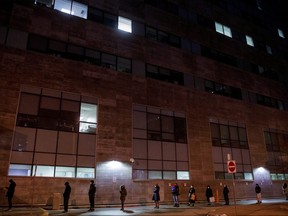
(10, 193)
(123, 194)
(156, 195)
(258, 193)
(175, 194)
(209, 194)
(91, 194)
(285, 190)
(192, 196)
(225, 194)
(66, 196)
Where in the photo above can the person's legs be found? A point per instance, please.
(65, 204)
(9, 202)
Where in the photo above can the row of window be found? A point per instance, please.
(125, 24)
(78, 53)
(51, 171)
(238, 175)
(74, 52)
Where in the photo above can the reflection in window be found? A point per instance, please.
(183, 175)
(88, 118)
(124, 24)
(68, 172)
(45, 171)
(75, 8)
(19, 170)
(85, 172)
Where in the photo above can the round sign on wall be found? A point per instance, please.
(231, 164)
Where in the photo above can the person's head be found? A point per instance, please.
(66, 183)
(257, 185)
(208, 186)
(191, 186)
(11, 180)
(122, 187)
(92, 182)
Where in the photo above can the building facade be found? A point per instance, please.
(138, 92)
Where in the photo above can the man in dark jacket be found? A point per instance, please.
(10, 193)
(66, 196)
(225, 194)
(91, 194)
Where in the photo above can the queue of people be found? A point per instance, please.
(155, 194)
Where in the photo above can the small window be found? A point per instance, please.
(222, 29)
(183, 175)
(123, 65)
(249, 41)
(281, 33)
(124, 24)
(79, 10)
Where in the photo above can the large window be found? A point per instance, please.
(160, 146)
(230, 138)
(55, 134)
(277, 150)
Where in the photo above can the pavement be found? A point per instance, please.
(271, 207)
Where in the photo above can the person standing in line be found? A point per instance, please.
(175, 194)
(192, 196)
(258, 193)
(66, 196)
(91, 194)
(123, 194)
(285, 190)
(209, 194)
(225, 194)
(156, 195)
(10, 193)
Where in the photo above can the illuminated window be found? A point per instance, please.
(281, 33)
(249, 41)
(124, 24)
(74, 8)
(222, 29)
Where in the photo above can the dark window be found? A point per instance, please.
(95, 15)
(37, 43)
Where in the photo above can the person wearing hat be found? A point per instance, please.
(66, 196)
(91, 194)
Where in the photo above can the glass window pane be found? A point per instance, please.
(95, 14)
(79, 10)
(123, 65)
(227, 31)
(85, 173)
(249, 41)
(19, 170)
(88, 113)
(248, 176)
(180, 130)
(219, 27)
(167, 123)
(63, 6)
(139, 174)
(154, 175)
(183, 175)
(169, 175)
(151, 33)
(67, 172)
(153, 122)
(139, 120)
(124, 24)
(109, 61)
(242, 134)
(45, 171)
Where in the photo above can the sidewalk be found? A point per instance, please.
(272, 207)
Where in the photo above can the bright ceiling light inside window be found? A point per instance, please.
(65, 10)
(124, 24)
